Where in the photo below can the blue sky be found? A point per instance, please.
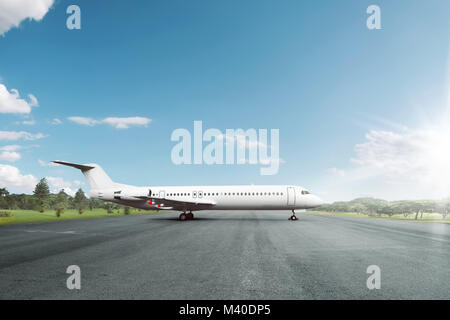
(348, 101)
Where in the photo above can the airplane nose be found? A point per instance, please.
(318, 202)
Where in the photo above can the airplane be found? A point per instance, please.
(187, 199)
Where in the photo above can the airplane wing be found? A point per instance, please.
(182, 205)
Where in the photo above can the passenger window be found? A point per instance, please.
(194, 194)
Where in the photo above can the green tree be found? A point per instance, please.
(417, 207)
(80, 201)
(41, 193)
(3, 192)
(443, 207)
(446, 208)
(61, 202)
(358, 208)
(4, 198)
(388, 209)
(109, 207)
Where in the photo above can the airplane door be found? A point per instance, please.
(162, 194)
(290, 196)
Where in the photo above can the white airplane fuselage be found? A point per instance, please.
(195, 198)
(238, 197)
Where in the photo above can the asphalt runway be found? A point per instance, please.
(226, 255)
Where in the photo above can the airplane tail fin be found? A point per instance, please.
(96, 177)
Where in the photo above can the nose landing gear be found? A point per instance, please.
(293, 217)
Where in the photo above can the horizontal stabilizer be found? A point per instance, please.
(96, 177)
(82, 167)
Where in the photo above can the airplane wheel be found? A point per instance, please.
(293, 218)
(190, 216)
(183, 217)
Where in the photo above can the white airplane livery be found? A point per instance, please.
(194, 198)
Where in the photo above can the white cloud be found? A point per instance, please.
(10, 156)
(10, 102)
(118, 123)
(84, 121)
(13, 12)
(33, 101)
(47, 164)
(16, 135)
(10, 176)
(12, 147)
(26, 122)
(411, 164)
(125, 123)
(58, 183)
(412, 155)
(243, 141)
(56, 121)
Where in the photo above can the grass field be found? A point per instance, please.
(427, 217)
(29, 216)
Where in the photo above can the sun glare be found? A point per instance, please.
(436, 157)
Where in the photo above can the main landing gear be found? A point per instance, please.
(186, 216)
(293, 217)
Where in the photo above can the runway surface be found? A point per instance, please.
(226, 255)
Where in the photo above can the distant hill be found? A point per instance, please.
(378, 207)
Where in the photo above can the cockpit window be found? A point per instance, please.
(305, 192)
